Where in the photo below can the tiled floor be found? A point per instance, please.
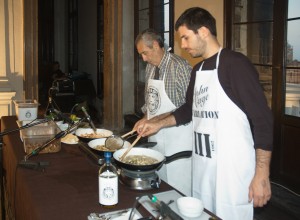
(284, 205)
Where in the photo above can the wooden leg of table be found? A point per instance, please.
(3, 214)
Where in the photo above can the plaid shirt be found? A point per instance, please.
(178, 73)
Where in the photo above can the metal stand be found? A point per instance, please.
(51, 103)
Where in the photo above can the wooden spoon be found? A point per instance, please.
(129, 148)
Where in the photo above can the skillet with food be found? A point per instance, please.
(144, 159)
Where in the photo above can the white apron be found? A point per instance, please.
(223, 156)
(170, 140)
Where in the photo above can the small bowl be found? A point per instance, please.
(190, 206)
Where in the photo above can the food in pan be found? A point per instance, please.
(139, 160)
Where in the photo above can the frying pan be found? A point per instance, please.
(148, 152)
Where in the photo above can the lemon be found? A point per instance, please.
(73, 117)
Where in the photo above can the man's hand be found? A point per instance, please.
(149, 128)
(140, 124)
(153, 125)
(260, 187)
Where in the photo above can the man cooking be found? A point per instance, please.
(232, 123)
(167, 78)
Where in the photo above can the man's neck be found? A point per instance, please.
(213, 47)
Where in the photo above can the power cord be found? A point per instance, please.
(277, 184)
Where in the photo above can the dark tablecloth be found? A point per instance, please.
(67, 189)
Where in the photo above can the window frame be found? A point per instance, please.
(286, 127)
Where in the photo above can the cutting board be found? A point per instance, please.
(166, 197)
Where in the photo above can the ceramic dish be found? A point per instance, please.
(87, 134)
(99, 145)
(190, 206)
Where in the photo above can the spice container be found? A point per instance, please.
(36, 136)
(26, 109)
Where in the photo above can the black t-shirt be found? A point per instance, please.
(239, 79)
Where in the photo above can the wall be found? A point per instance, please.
(87, 42)
(215, 7)
(87, 38)
(128, 56)
(61, 34)
(11, 54)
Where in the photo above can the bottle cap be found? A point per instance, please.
(107, 154)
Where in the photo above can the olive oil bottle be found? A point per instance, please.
(108, 183)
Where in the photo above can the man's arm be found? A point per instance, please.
(260, 188)
(154, 125)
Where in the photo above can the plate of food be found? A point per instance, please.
(99, 145)
(70, 139)
(88, 134)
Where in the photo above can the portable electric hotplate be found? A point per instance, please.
(139, 180)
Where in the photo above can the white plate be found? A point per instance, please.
(66, 142)
(101, 141)
(103, 133)
(70, 139)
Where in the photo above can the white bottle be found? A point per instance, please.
(108, 183)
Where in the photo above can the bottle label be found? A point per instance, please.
(108, 189)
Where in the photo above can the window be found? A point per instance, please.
(158, 15)
(267, 31)
(292, 59)
(252, 32)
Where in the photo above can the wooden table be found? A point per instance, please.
(66, 189)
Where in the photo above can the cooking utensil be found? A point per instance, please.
(108, 216)
(116, 142)
(129, 148)
(168, 203)
(151, 153)
(88, 117)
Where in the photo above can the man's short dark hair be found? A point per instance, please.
(195, 18)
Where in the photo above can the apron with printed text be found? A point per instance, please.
(223, 155)
(170, 140)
